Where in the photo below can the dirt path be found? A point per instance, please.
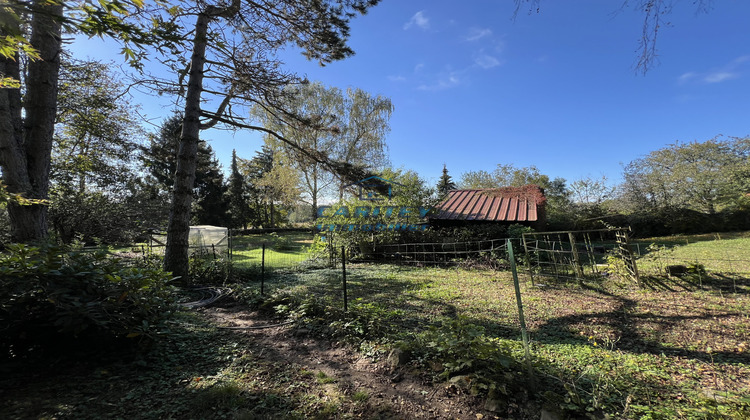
(398, 393)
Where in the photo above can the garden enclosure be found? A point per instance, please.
(203, 240)
(544, 257)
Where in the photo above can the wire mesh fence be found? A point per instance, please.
(713, 256)
(273, 252)
(576, 255)
(492, 251)
(569, 255)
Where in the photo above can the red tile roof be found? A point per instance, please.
(496, 205)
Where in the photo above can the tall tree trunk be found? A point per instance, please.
(315, 194)
(178, 231)
(272, 223)
(25, 148)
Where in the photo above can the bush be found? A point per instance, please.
(52, 294)
(461, 349)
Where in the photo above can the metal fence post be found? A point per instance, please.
(524, 333)
(343, 272)
(262, 268)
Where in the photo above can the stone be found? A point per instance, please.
(398, 357)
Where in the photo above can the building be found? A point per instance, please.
(508, 205)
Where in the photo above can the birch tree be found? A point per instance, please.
(351, 125)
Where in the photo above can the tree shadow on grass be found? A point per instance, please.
(624, 319)
(691, 282)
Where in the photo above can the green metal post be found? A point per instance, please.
(524, 333)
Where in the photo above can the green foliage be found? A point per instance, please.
(160, 161)
(93, 217)
(349, 126)
(237, 197)
(445, 183)
(49, 292)
(363, 321)
(207, 269)
(7, 197)
(516, 231)
(616, 265)
(463, 349)
(696, 268)
(702, 176)
(410, 194)
(97, 135)
(271, 184)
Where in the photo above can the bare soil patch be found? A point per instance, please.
(393, 392)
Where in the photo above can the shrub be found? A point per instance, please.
(208, 269)
(486, 365)
(52, 293)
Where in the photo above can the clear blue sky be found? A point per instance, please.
(557, 89)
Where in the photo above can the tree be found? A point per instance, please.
(208, 189)
(365, 123)
(705, 176)
(445, 183)
(319, 109)
(96, 136)
(210, 204)
(31, 33)
(408, 204)
(350, 126)
(274, 182)
(237, 197)
(240, 67)
(591, 191)
(95, 144)
(26, 127)
(507, 175)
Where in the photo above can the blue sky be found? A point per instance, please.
(472, 88)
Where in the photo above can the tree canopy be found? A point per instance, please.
(703, 176)
(445, 183)
(349, 126)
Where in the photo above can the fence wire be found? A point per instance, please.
(492, 251)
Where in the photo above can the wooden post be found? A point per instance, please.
(576, 261)
(528, 258)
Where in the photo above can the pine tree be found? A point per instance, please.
(160, 160)
(210, 206)
(445, 184)
(239, 209)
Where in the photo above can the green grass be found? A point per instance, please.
(718, 253)
(673, 349)
(283, 251)
(632, 353)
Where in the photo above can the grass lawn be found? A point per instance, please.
(282, 251)
(661, 353)
(675, 349)
(723, 253)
